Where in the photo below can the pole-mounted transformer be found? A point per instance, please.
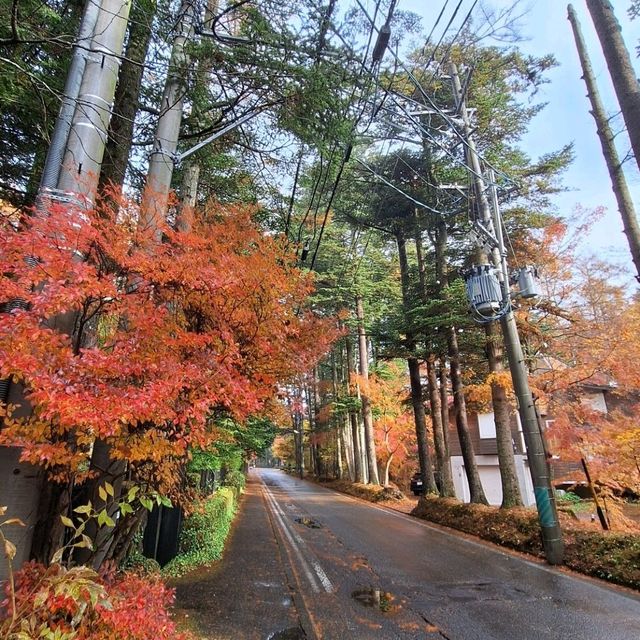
(483, 290)
(528, 282)
(382, 41)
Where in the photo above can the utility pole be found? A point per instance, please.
(88, 133)
(163, 155)
(609, 151)
(70, 173)
(623, 75)
(511, 495)
(538, 463)
(81, 47)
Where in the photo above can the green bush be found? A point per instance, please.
(204, 532)
(235, 479)
(569, 497)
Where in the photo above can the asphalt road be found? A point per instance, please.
(360, 571)
(305, 563)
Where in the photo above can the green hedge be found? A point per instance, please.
(204, 532)
(235, 479)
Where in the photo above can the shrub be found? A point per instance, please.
(235, 479)
(204, 532)
(370, 492)
(612, 556)
(79, 604)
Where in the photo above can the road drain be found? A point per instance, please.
(376, 599)
(308, 522)
(292, 633)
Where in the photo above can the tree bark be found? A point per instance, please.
(126, 102)
(353, 416)
(620, 68)
(609, 151)
(443, 379)
(367, 415)
(511, 496)
(424, 456)
(443, 467)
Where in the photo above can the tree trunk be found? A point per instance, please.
(424, 456)
(337, 422)
(460, 407)
(353, 416)
(443, 468)
(385, 472)
(444, 405)
(125, 106)
(188, 198)
(620, 68)
(502, 416)
(464, 436)
(367, 415)
(609, 151)
(342, 383)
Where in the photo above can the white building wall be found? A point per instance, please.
(489, 472)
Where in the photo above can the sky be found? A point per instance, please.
(545, 29)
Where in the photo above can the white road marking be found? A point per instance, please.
(285, 530)
(298, 544)
(461, 535)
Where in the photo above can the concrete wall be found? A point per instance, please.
(19, 492)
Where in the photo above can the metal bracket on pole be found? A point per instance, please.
(481, 232)
(230, 127)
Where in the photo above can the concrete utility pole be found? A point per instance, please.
(71, 172)
(55, 153)
(162, 159)
(609, 151)
(623, 76)
(536, 454)
(88, 133)
(511, 495)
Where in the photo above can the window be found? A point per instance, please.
(486, 425)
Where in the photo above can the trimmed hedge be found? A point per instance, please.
(370, 492)
(204, 532)
(603, 554)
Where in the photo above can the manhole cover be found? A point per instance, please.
(376, 599)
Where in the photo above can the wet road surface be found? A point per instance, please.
(355, 570)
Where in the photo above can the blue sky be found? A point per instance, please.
(545, 29)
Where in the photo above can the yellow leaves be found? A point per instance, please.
(478, 396)
(9, 549)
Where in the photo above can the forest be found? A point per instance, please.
(236, 227)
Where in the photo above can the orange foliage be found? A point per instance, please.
(585, 331)
(392, 420)
(162, 333)
(478, 396)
